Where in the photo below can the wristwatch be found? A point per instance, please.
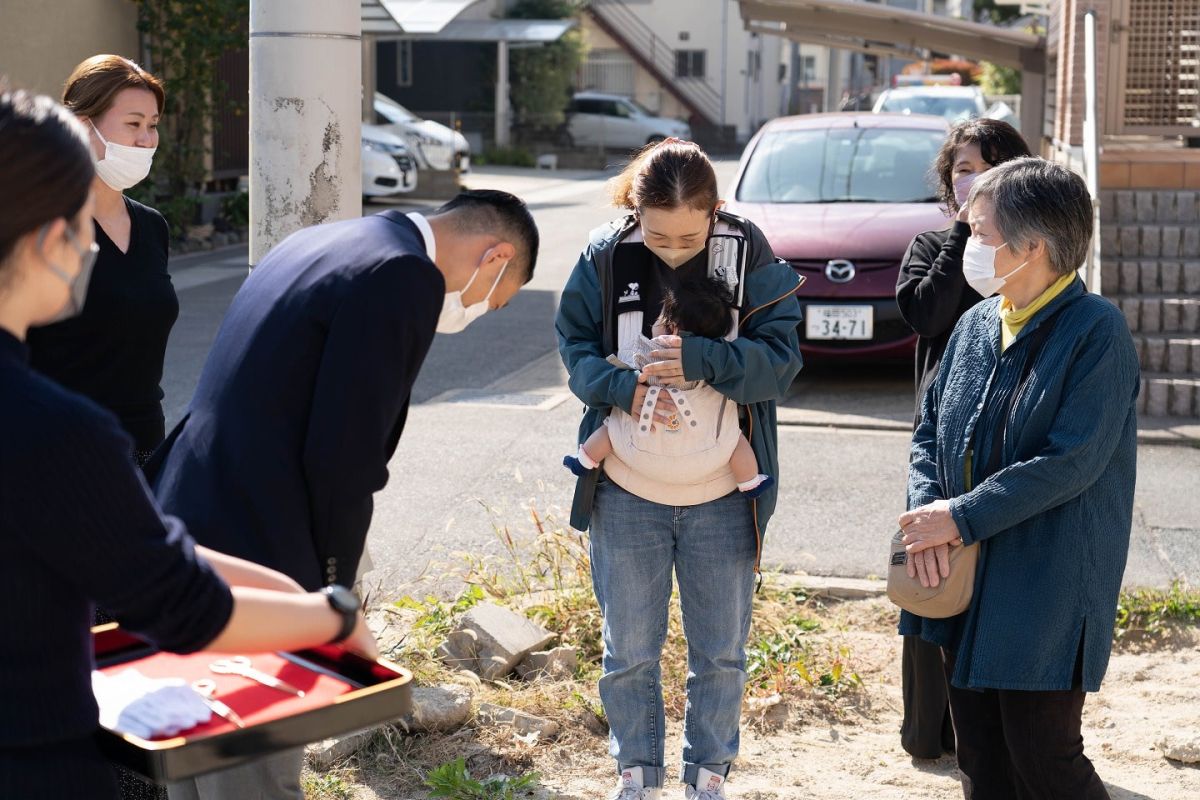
(343, 601)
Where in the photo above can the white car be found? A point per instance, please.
(388, 167)
(612, 120)
(952, 103)
(434, 145)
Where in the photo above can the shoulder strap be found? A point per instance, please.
(1033, 345)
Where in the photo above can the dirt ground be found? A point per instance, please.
(846, 748)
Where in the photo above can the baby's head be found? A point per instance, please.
(699, 306)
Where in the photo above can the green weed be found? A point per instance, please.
(454, 782)
(1153, 612)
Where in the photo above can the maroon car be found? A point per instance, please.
(839, 197)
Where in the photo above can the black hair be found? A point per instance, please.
(45, 165)
(998, 142)
(700, 306)
(501, 214)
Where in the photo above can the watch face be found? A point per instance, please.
(343, 599)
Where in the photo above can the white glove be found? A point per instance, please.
(147, 707)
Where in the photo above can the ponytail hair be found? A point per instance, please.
(668, 174)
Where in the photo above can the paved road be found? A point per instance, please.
(492, 419)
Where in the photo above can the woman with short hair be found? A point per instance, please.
(933, 295)
(113, 351)
(1027, 446)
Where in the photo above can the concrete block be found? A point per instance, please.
(1110, 275)
(1189, 316)
(1158, 394)
(1110, 241)
(1144, 203)
(1148, 283)
(1125, 211)
(1179, 356)
(1195, 366)
(1185, 207)
(1171, 316)
(1172, 241)
(1151, 321)
(1191, 242)
(1141, 401)
(1131, 272)
(523, 723)
(439, 709)
(1164, 206)
(560, 662)
(503, 638)
(1151, 241)
(1155, 354)
(325, 754)
(1182, 398)
(1131, 307)
(1139, 346)
(1170, 277)
(1108, 207)
(1191, 277)
(1130, 246)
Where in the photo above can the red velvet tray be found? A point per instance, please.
(342, 693)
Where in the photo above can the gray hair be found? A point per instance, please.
(1037, 200)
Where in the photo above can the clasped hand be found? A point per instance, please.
(929, 533)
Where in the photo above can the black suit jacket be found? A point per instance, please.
(303, 398)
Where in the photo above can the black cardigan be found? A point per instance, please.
(112, 353)
(933, 295)
(79, 526)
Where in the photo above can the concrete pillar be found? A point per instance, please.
(305, 112)
(503, 123)
(1033, 98)
(369, 82)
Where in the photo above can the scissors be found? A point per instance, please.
(207, 689)
(240, 665)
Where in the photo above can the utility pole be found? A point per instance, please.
(306, 107)
(503, 123)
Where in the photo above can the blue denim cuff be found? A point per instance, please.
(652, 777)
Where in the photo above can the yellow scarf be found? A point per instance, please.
(1012, 321)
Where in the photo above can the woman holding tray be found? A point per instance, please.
(77, 523)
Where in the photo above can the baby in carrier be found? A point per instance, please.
(705, 418)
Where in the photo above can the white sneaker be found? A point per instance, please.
(709, 786)
(629, 787)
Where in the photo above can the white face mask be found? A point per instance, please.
(675, 257)
(979, 267)
(455, 317)
(77, 284)
(123, 166)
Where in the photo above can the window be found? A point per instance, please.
(404, 63)
(864, 165)
(689, 63)
(809, 70)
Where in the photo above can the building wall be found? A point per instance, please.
(41, 41)
(714, 26)
(1071, 92)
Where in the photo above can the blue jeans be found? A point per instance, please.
(635, 545)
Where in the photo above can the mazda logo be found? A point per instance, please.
(840, 271)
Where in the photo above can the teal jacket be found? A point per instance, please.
(1053, 523)
(754, 370)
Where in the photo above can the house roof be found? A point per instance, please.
(876, 28)
(410, 16)
(437, 20)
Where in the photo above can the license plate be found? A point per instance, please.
(840, 322)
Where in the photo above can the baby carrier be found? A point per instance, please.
(696, 449)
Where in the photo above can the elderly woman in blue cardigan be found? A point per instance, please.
(1027, 446)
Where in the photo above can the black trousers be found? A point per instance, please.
(926, 731)
(1016, 745)
(74, 770)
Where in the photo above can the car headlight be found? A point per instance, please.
(385, 147)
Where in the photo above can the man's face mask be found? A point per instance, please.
(455, 317)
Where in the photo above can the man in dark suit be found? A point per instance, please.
(306, 389)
